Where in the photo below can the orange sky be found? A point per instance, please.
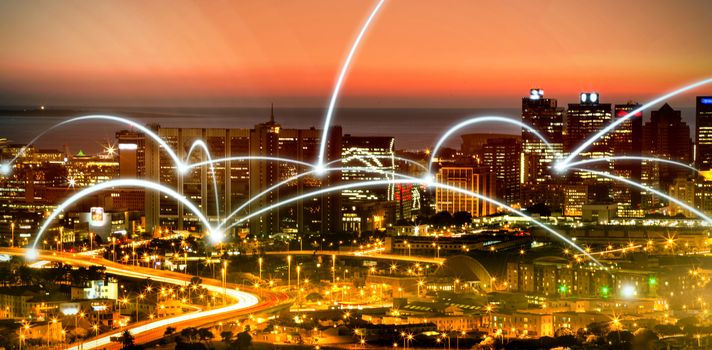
(418, 53)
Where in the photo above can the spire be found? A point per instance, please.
(271, 118)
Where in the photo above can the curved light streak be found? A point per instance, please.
(646, 188)
(406, 180)
(123, 183)
(132, 123)
(563, 164)
(201, 144)
(286, 181)
(238, 158)
(650, 159)
(339, 82)
(476, 120)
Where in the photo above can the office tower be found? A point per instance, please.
(367, 159)
(132, 154)
(543, 115)
(469, 178)
(665, 136)
(502, 157)
(627, 141)
(575, 197)
(703, 133)
(583, 120)
(374, 156)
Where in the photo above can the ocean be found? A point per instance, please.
(412, 128)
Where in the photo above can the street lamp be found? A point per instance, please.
(289, 271)
(259, 261)
(12, 240)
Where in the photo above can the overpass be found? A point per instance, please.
(363, 254)
(246, 302)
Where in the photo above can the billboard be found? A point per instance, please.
(97, 216)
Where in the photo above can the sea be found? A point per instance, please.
(413, 129)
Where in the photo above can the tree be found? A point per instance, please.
(441, 219)
(226, 337)
(205, 335)
(244, 340)
(461, 218)
(127, 341)
(169, 331)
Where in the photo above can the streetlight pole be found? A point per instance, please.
(12, 240)
(259, 261)
(289, 271)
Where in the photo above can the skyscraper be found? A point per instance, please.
(583, 120)
(665, 136)
(543, 115)
(703, 133)
(627, 141)
(502, 157)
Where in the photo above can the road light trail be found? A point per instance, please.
(477, 120)
(650, 159)
(243, 299)
(121, 183)
(340, 81)
(563, 164)
(646, 188)
(406, 180)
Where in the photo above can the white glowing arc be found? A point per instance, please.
(340, 81)
(201, 144)
(132, 123)
(124, 183)
(240, 158)
(649, 159)
(407, 179)
(563, 164)
(476, 120)
(646, 188)
(288, 180)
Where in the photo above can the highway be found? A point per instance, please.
(371, 254)
(245, 303)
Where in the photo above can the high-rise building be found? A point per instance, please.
(469, 178)
(371, 158)
(627, 141)
(547, 118)
(583, 120)
(703, 133)
(502, 157)
(684, 190)
(239, 179)
(665, 136)
(132, 157)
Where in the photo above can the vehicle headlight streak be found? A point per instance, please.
(563, 164)
(339, 82)
(477, 120)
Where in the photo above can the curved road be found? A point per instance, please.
(246, 303)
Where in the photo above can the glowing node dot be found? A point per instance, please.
(319, 170)
(560, 167)
(5, 169)
(31, 254)
(215, 236)
(428, 180)
(182, 168)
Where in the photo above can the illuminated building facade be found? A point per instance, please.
(468, 178)
(583, 120)
(703, 133)
(575, 197)
(627, 141)
(543, 115)
(240, 179)
(502, 156)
